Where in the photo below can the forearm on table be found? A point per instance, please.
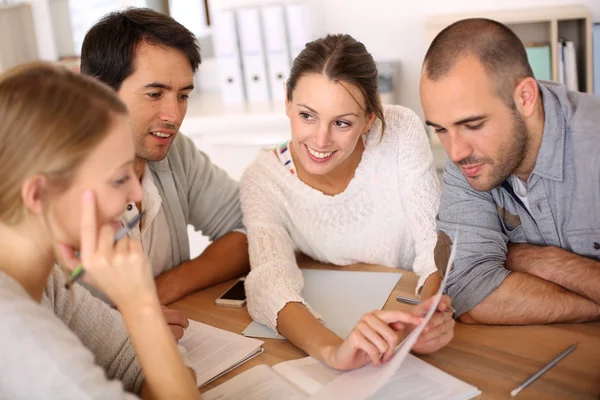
(225, 258)
(562, 267)
(523, 299)
(305, 331)
(166, 374)
(431, 285)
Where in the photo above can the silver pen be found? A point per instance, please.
(414, 302)
(542, 371)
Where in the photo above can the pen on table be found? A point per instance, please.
(542, 371)
(414, 302)
(78, 272)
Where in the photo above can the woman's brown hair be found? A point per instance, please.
(341, 58)
(51, 120)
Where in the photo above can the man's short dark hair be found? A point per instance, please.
(109, 47)
(498, 48)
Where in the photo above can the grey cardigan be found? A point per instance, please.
(196, 192)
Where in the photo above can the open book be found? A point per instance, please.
(213, 352)
(304, 378)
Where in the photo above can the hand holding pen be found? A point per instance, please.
(118, 267)
(77, 273)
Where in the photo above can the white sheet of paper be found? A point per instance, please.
(308, 373)
(364, 382)
(418, 380)
(212, 351)
(415, 379)
(341, 297)
(258, 383)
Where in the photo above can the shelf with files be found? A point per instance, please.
(208, 115)
(544, 25)
(232, 135)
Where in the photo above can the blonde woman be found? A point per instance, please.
(66, 174)
(354, 184)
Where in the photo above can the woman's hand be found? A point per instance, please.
(373, 339)
(119, 270)
(439, 331)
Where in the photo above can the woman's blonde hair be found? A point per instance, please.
(50, 120)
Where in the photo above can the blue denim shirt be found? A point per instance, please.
(563, 192)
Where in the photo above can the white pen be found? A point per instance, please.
(542, 371)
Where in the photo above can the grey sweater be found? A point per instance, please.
(72, 346)
(195, 192)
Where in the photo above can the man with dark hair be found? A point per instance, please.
(150, 60)
(521, 184)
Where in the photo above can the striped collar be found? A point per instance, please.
(285, 156)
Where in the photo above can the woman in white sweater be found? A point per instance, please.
(66, 174)
(354, 184)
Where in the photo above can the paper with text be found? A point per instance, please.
(297, 379)
(212, 351)
(308, 373)
(364, 382)
(259, 383)
(418, 380)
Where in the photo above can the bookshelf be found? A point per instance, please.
(540, 25)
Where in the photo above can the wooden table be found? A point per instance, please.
(496, 359)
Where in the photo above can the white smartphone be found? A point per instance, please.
(235, 296)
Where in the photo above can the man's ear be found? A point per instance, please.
(34, 193)
(526, 96)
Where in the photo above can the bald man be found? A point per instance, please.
(521, 183)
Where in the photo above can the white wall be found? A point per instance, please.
(61, 24)
(395, 29)
(44, 31)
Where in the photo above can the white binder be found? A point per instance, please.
(298, 27)
(278, 61)
(571, 66)
(253, 55)
(227, 52)
(560, 52)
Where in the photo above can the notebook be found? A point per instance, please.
(213, 352)
(333, 295)
(539, 58)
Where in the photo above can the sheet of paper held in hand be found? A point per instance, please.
(366, 381)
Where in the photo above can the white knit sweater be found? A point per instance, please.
(386, 215)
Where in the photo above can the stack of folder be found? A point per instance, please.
(567, 64)
(255, 47)
(540, 59)
(596, 57)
